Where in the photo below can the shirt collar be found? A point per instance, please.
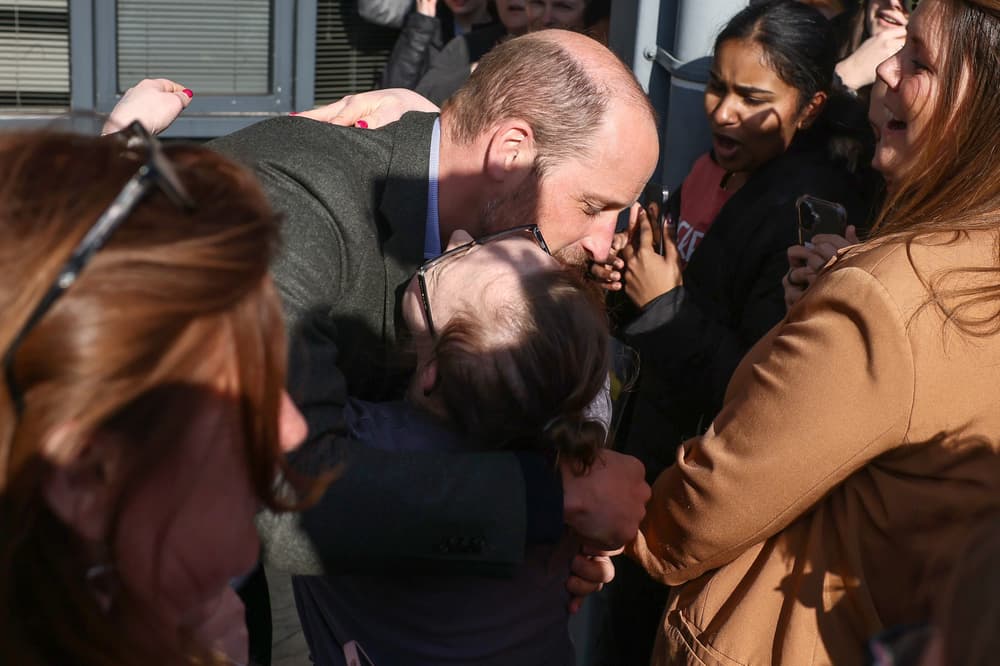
(432, 233)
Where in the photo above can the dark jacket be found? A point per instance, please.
(410, 58)
(418, 44)
(451, 68)
(691, 339)
(430, 620)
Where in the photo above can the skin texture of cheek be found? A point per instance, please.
(188, 528)
(913, 102)
(763, 125)
(512, 209)
(765, 136)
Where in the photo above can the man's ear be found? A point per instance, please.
(80, 491)
(811, 111)
(427, 378)
(511, 150)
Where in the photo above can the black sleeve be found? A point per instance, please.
(402, 511)
(448, 70)
(410, 58)
(698, 352)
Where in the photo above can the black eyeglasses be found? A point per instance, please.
(155, 172)
(530, 232)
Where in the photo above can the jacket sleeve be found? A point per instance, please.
(410, 58)
(448, 70)
(389, 13)
(401, 511)
(679, 341)
(827, 392)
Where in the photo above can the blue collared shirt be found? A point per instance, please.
(432, 232)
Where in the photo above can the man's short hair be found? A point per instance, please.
(536, 79)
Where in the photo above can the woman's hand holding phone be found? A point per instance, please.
(806, 261)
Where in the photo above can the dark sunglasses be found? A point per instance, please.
(530, 232)
(155, 172)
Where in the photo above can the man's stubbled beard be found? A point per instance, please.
(520, 207)
(512, 209)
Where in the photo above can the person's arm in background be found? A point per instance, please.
(388, 13)
(858, 69)
(448, 70)
(155, 103)
(420, 38)
(833, 391)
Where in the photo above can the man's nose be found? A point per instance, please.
(598, 243)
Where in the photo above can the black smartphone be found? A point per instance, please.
(819, 216)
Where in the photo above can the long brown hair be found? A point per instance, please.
(952, 185)
(171, 299)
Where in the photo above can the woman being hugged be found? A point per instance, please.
(142, 410)
(512, 354)
(861, 431)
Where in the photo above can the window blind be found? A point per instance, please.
(350, 52)
(34, 54)
(214, 47)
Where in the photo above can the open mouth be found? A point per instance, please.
(889, 18)
(895, 124)
(725, 142)
(726, 148)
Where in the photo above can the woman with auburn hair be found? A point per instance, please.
(142, 410)
(859, 434)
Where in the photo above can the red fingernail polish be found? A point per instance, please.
(188, 92)
(293, 113)
(362, 124)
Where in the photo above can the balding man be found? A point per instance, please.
(551, 128)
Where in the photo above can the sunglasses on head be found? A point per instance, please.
(155, 172)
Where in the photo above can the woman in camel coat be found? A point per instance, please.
(860, 436)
